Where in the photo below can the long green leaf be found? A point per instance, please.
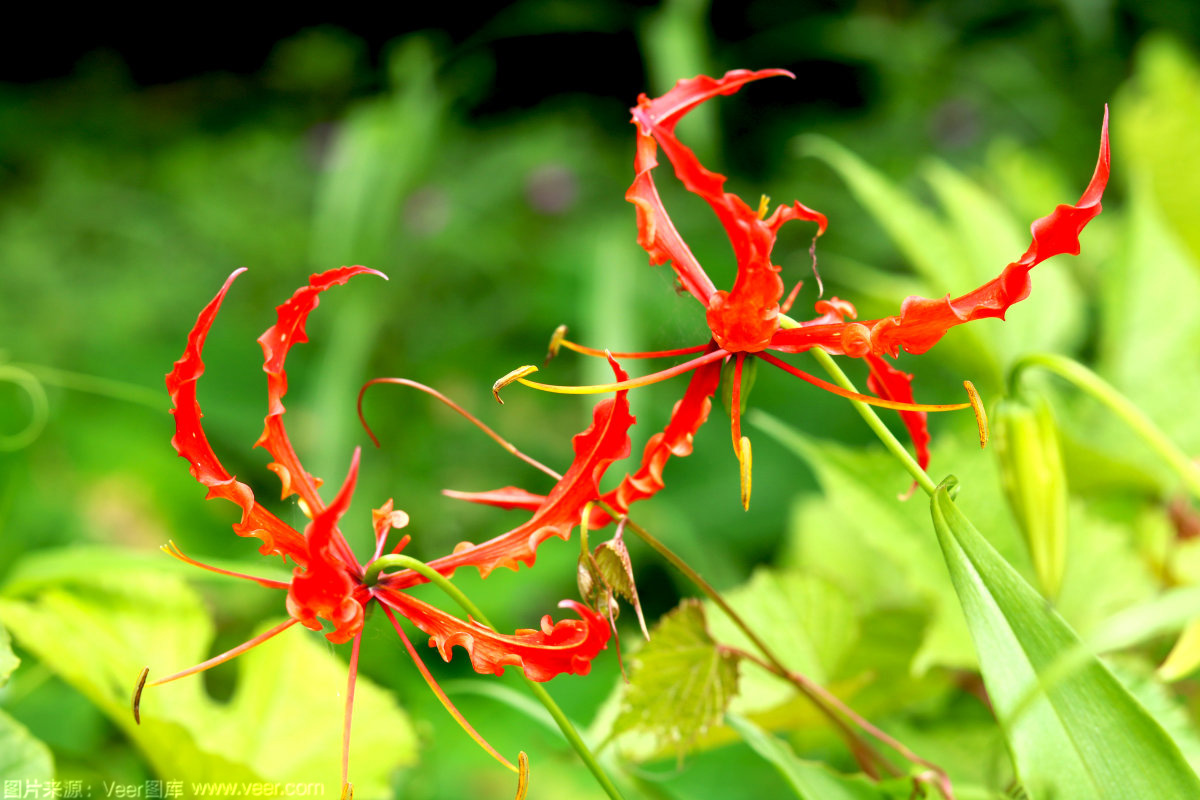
(1086, 737)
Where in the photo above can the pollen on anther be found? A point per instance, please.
(980, 413)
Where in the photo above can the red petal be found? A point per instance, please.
(325, 588)
(192, 444)
(743, 319)
(508, 497)
(674, 440)
(893, 384)
(923, 320)
(656, 232)
(605, 441)
(566, 646)
(276, 342)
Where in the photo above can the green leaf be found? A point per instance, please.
(8, 659)
(872, 545)
(923, 239)
(1086, 736)
(929, 244)
(1151, 332)
(1155, 124)
(681, 681)
(809, 780)
(285, 719)
(22, 757)
(808, 622)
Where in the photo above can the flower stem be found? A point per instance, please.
(876, 424)
(456, 594)
(1083, 378)
(825, 702)
(808, 686)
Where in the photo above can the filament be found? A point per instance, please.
(434, 393)
(227, 655)
(172, 549)
(518, 375)
(862, 398)
(441, 695)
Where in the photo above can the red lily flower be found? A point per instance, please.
(751, 319)
(330, 588)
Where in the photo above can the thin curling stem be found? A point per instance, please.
(429, 390)
(456, 594)
(1083, 378)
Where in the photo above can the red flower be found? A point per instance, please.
(330, 588)
(750, 319)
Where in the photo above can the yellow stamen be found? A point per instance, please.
(441, 695)
(980, 413)
(764, 203)
(862, 398)
(516, 375)
(347, 791)
(592, 351)
(172, 549)
(228, 654)
(556, 341)
(137, 696)
(600, 388)
(746, 461)
(522, 775)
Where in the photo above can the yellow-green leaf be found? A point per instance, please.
(681, 682)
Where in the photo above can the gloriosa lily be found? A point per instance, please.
(330, 588)
(751, 319)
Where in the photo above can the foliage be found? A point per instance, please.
(1015, 651)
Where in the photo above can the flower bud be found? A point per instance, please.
(1031, 470)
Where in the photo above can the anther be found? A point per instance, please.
(137, 696)
(515, 375)
(745, 460)
(764, 203)
(980, 413)
(522, 775)
(556, 340)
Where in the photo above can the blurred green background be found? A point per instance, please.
(481, 163)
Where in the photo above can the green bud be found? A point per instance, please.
(1031, 470)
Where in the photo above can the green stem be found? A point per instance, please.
(400, 561)
(808, 686)
(817, 698)
(1083, 378)
(94, 384)
(876, 424)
